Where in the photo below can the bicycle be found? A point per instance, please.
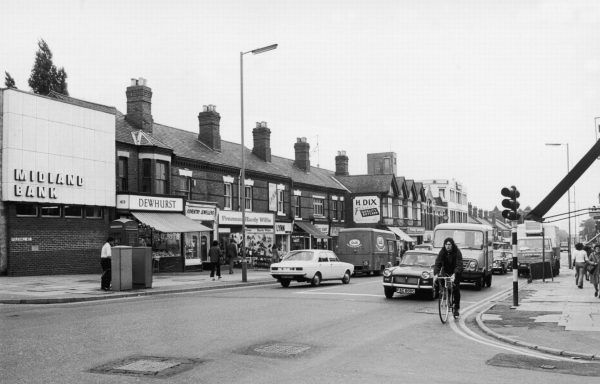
(446, 297)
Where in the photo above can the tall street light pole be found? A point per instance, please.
(242, 203)
(568, 197)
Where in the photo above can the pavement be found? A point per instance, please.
(553, 317)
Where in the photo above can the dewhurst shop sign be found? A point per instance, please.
(44, 184)
(149, 203)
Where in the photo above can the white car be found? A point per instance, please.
(311, 265)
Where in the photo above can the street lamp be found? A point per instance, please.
(242, 204)
(568, 197)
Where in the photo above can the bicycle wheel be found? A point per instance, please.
(444, 305)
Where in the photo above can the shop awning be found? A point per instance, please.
(401, 234)
(312, 230)
(170, 222)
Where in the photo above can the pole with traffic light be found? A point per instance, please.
(511, 213)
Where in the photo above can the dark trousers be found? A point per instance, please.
(214, 265)
(106, 273)
(456, 292)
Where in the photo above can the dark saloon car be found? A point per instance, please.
(414, 275)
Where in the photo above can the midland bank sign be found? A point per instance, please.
(45, 183)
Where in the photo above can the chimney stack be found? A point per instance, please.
(302, 149)
(341, 164)
(262, 141)
(210, 129)
(139, 105)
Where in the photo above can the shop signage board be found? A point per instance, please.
(200, 212)
(149, 203)
(366, 209)
(252, 218)
(56, 152)
(323, 228)
(283, 228)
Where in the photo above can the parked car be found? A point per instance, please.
(311, 265)
(414, 275)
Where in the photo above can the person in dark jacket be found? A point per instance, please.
(231, 254)
(214, 255)
(449, 262)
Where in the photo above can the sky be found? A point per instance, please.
(468, 90)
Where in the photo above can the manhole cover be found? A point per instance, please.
(278, 349)
(147, 366)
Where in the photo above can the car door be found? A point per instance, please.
(337, 268)
(324, 266)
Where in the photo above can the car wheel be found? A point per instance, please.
(346, 278)
(285, 283)
(479, 283)
(389, 292)
(316, 280)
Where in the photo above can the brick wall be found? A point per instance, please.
(3, 252)
(51, 246)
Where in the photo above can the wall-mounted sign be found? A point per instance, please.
(252, 218)
(323, 228)
(149, 203)
(201, 212)
(366, 209)
(283, 228)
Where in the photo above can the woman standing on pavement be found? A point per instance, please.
(595, 274)
(580, 259)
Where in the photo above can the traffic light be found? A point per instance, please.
(511, 203)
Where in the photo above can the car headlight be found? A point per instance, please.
(387, 273)
(473, 264)
(425, 275)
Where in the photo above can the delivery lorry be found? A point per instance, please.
(537, 242)
(368, 249)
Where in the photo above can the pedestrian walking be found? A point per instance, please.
(276, 256)
(593, 268)
(214, 254)
(580, 260)
(105, 261)
(231, 254)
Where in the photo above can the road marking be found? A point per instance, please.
(336, 293)
(462, 329)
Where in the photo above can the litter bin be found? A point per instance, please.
(540, 270)
(121, 268)
(142, 267)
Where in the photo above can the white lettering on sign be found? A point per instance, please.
(39, 177)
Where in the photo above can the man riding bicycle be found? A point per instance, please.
(449, 260)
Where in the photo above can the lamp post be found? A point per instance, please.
(568, 197)
(242, 204)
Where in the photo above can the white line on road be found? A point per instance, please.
(336, 293)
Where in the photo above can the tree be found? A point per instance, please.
(9, 82)
(44, 75)
(588, 228)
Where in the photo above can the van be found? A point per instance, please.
(368, 249)
(475, 244)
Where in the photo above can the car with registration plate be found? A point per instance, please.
(312, 266)
(414, 275)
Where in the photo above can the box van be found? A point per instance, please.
(368, 249)
(475, 244)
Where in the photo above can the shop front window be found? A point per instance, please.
(73, 211)
(50, 211)
(27, 210)
(93, 212)
(166, 244)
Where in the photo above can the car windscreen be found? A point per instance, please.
(463, 238)
(300, 256)
(418, 259)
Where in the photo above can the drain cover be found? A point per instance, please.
(147, 366)
(278, 349)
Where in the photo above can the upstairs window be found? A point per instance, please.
(248, 198)
(161, 178)
(147, 175)
(334, 210)
(342, 210)
(280, 201)
(227, 195)
(122, 174)
(297, 206)
(318, 205)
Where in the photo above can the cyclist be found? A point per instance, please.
(449, 260)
